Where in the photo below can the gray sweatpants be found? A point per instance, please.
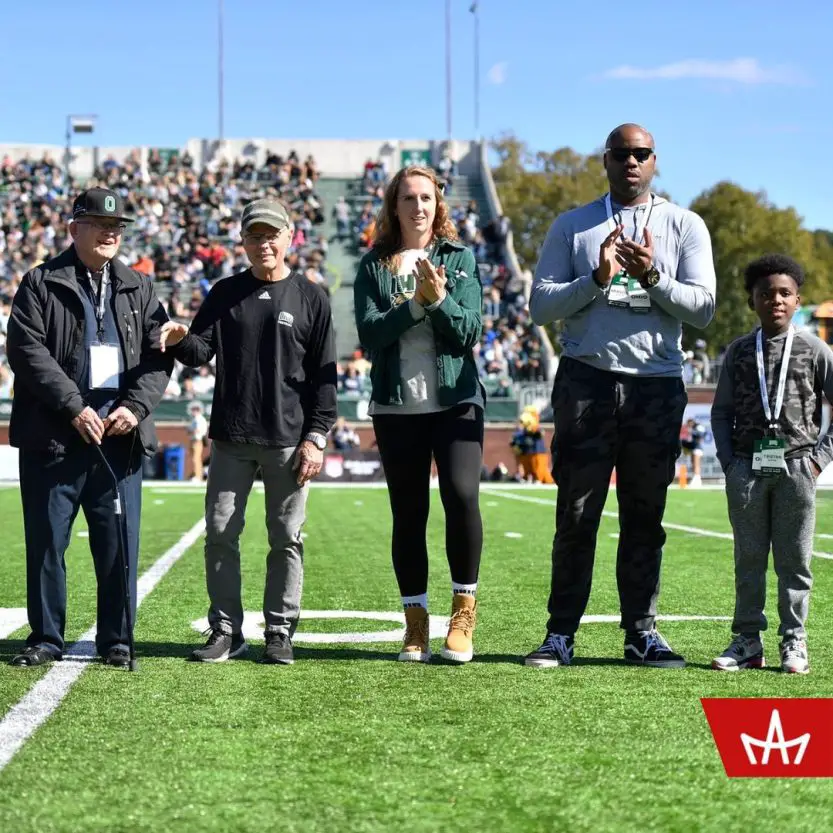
(781, 512)
(230, 480)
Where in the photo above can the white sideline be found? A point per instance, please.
(694, 530)
(35, 707)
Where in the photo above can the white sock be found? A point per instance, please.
(464, 589)
(415, 601)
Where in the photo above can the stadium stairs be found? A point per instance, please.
(342, 262)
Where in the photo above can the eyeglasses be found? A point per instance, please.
(623, 154)
(118, 228)
(257, 239)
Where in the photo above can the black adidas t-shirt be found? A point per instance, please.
(276, 365)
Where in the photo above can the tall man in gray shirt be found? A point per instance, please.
(622, 273)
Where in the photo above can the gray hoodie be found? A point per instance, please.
(614, 338)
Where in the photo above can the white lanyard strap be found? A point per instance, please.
(641, 218)
(772, 416)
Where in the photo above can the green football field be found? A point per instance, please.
(347, 739)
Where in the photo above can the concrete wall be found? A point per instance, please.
(344, 158)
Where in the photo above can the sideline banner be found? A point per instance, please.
(356, 465)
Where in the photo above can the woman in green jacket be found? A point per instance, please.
(418, 301)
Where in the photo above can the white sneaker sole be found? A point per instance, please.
(805, 670)
(544, 663)
(243, 649)
(457, 656)
(414, 656)
(749, 665)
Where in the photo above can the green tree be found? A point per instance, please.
(535, 188)
(744, 225)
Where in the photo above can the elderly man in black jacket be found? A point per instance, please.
(79, 343)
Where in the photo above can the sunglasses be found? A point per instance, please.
(118, 228)
(623, 154)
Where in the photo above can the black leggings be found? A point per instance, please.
(406, 443)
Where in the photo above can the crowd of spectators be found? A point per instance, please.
(187, 229)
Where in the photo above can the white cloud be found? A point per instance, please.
(738, 70)
(497, 74)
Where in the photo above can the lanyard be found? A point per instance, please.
(101, 301)
(640, 227)
(772, 416)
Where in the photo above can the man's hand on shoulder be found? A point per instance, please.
(168, 335)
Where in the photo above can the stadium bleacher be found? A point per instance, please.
(186, 237)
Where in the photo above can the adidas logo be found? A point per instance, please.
(265, 295)
(286, 318)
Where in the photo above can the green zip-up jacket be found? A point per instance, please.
(457, 324)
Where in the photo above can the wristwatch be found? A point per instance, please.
(650, 278)
(318, 440)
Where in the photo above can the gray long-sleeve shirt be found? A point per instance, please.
(738, 413)
(610, 337)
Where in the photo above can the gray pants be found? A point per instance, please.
(778, 511)
(230, 480)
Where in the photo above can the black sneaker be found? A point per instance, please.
(649, 648)
(278, 649)
(118, 656)
(220, 647)
(33, 655)
(556, 650)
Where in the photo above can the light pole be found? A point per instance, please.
(475, 11)
(448, 67)
(75, 124)
(220, 70)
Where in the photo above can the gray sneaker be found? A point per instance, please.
(794, 656)
(220, 647)
(743, 652)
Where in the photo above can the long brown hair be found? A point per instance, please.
(387, 240)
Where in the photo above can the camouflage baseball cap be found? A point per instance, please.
(269, 212)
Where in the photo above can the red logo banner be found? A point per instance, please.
(772, 737)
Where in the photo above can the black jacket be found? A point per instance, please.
(45, 344)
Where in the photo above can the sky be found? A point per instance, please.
(731, 89)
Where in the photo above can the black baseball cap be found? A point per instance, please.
(99, 202)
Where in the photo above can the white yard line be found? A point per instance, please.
(693, 530)
(23, 719)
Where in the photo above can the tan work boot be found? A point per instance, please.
(415, 646)
(458, 644)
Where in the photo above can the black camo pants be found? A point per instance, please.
(603, 420)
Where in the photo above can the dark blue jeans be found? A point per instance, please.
(52, 490)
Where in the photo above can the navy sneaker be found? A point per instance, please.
(649, 648)
(557, 649)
